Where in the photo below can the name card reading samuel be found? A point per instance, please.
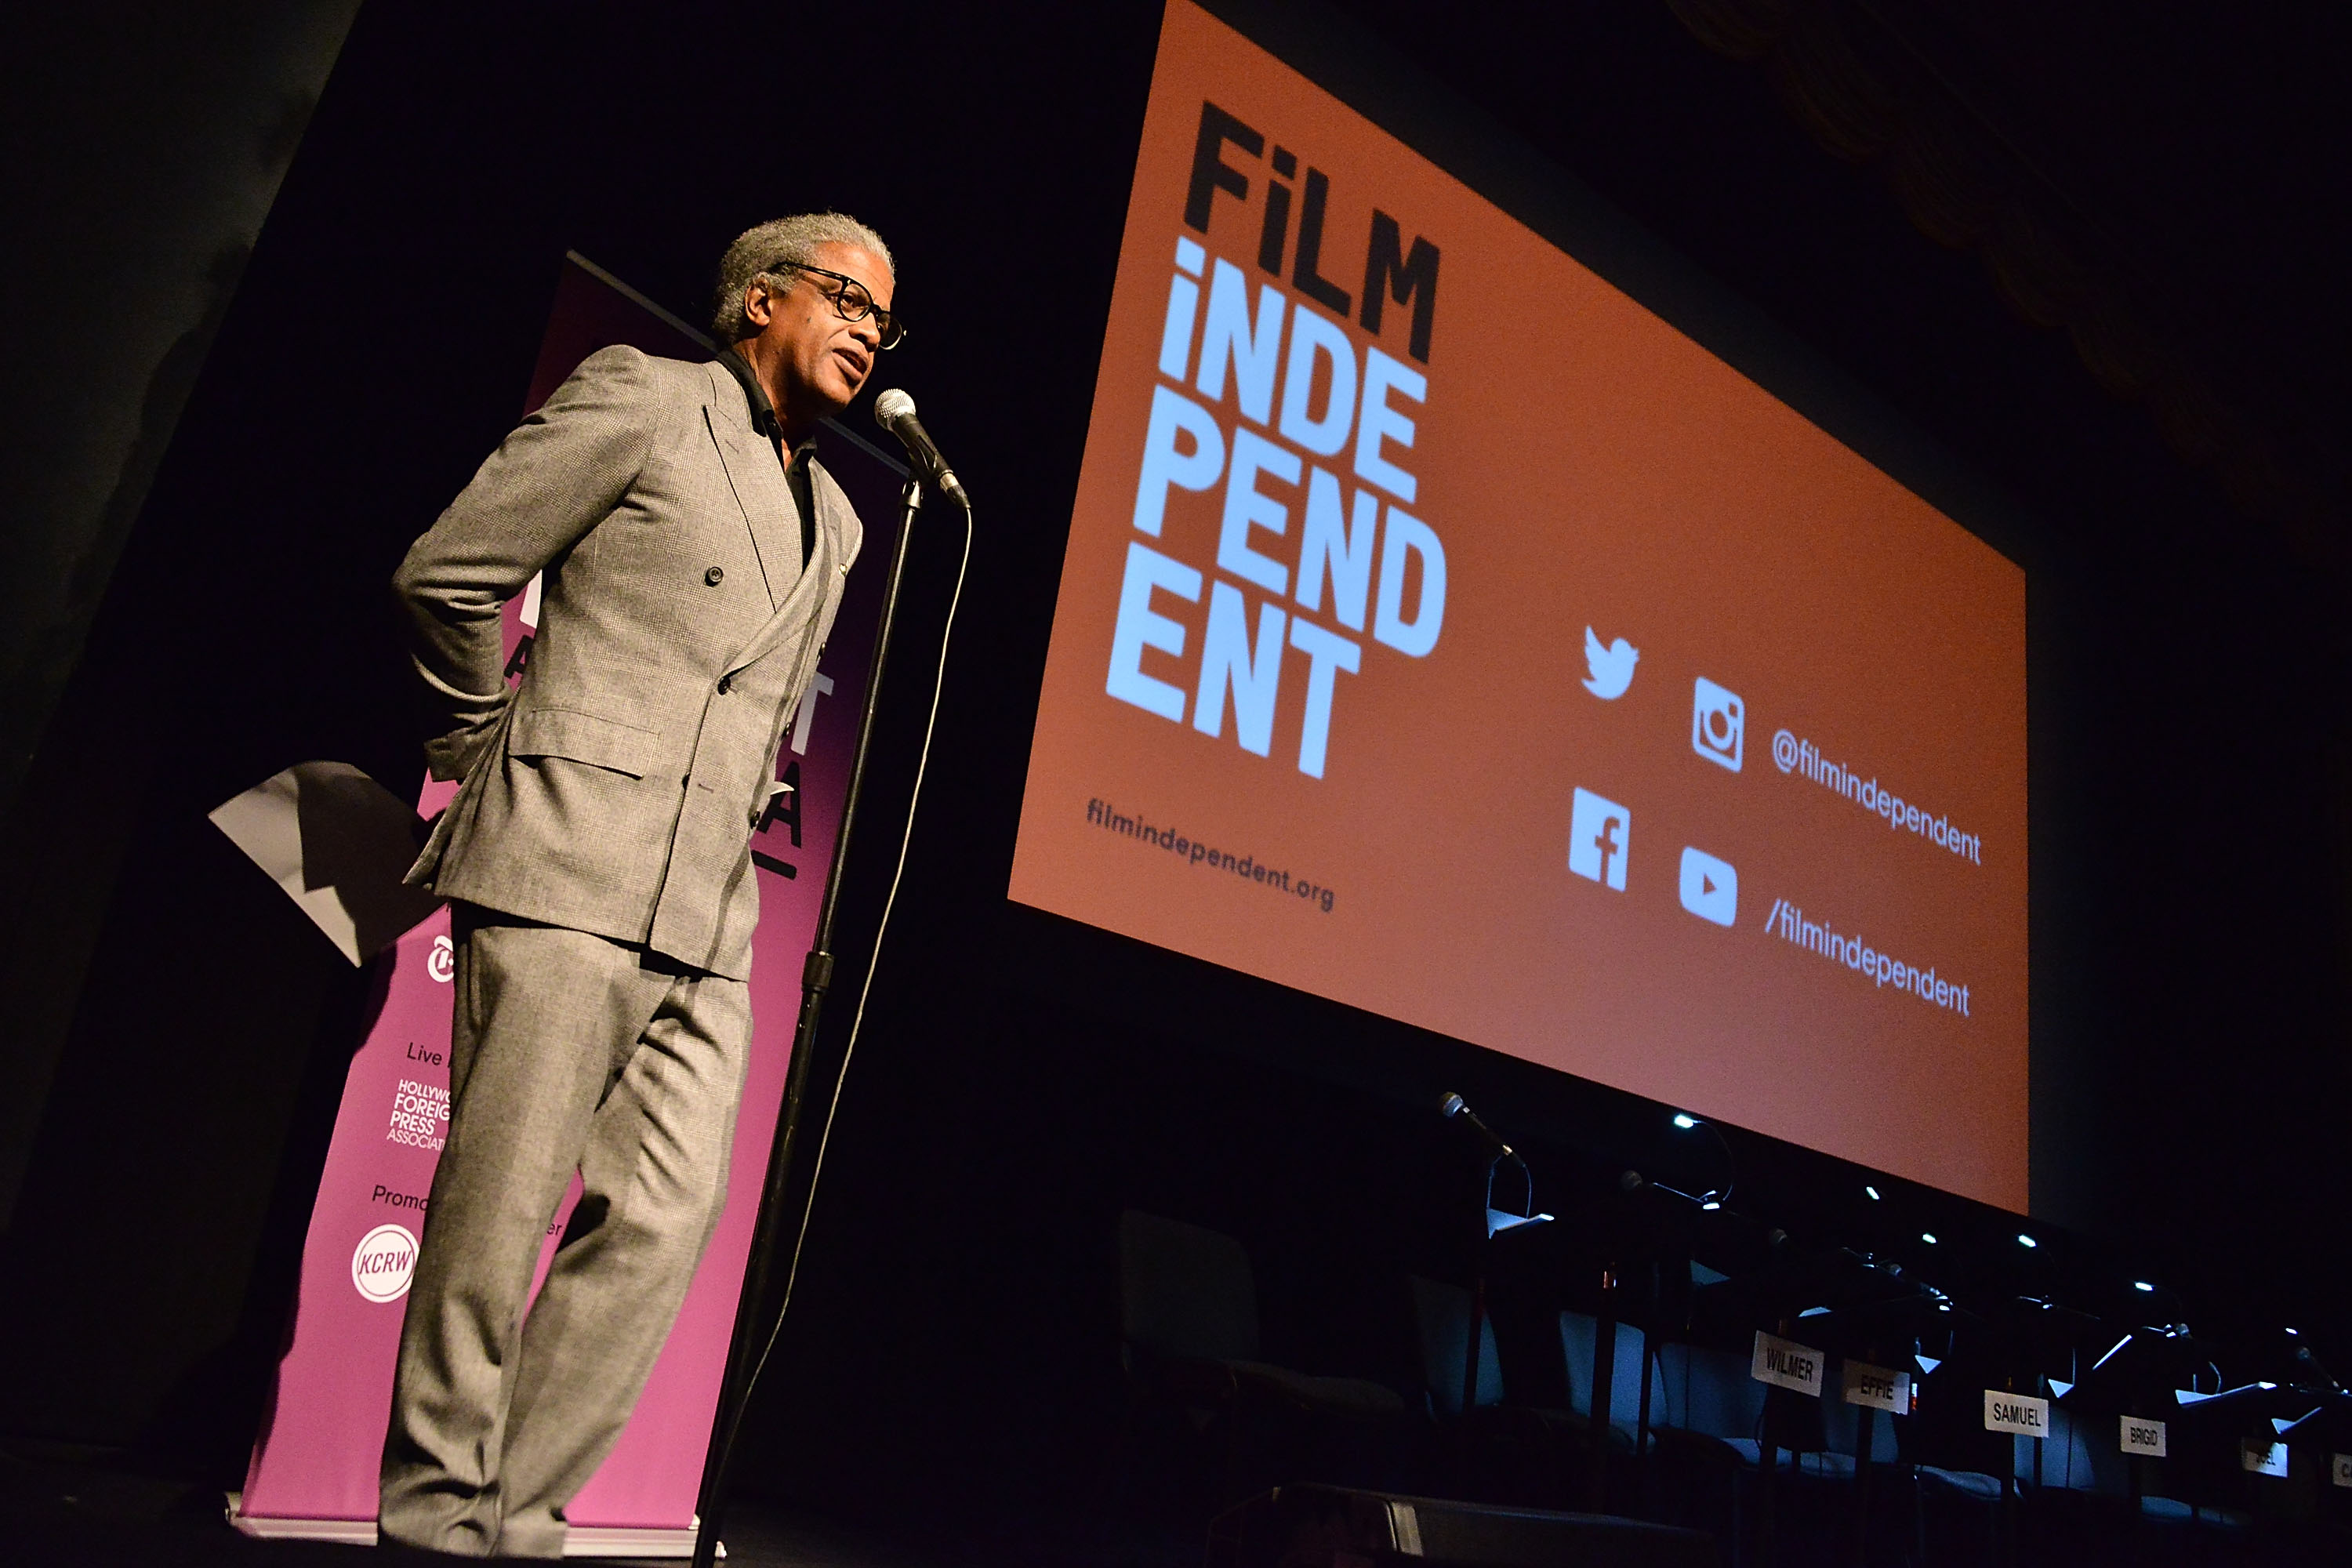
(1785, 1363)
(1878, 1387)
(2019, 1413)
(2143, 1437)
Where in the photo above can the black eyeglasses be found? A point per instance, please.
(853, 302)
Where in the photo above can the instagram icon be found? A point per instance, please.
(1718, 723)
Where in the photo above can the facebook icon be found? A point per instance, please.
(1599, 834)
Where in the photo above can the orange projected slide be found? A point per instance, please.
(1444, 634)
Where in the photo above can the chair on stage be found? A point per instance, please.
(2134, 1375)
(1577, 1301)
(1190, 1350)
(1966, 1476)
(1529, 1438)
(1771, 1469)
(1628, 1363)
(1766, 1468)
(1500, 1449)
(1442, 1314)
(2208, 1478)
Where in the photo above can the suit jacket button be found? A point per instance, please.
(714, 576)
(724, 682)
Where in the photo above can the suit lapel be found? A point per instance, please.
(800, 605)
(757, 481)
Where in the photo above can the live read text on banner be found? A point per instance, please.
(1443, 632)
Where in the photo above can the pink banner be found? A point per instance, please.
(315, 1458)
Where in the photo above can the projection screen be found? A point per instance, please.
(1444, 633)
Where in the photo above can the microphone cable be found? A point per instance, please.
(864, 988)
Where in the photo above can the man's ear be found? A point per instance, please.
(758, 305)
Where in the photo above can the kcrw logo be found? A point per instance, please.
(1267, 393)
(384, 1262)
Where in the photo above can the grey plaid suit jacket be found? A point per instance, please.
(615, 791)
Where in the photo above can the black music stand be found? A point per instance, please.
(2135, 1377)
(1494, 1222)
(2326, 1432)
(1877, 1313)
(1647, 1227)
(2253, 1412)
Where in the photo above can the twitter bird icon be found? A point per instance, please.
(1611, 666)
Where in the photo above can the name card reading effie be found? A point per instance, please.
(2263, 1458)
(2143, 1437)
(2019, 1413)
(1878, 1387)
(1784, 1363)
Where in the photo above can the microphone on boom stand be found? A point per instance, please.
(1452, 1106)
(895, 412)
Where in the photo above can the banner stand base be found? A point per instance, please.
(580, 1540)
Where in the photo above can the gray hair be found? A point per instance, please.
(765, 256)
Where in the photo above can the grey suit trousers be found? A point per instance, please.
(569, 1051)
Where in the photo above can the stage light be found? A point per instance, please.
(2291, 1331)
(1928, 1237)
(1711, 1206)
(2026, 1241)
(1871, 1191)
(1685, 1120)
(2144, 1286)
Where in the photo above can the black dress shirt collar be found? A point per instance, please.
(796, 466)
(764, 413)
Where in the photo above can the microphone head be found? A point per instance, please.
(891, 406)
(1450, 1105)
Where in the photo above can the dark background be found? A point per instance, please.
(2148, 377)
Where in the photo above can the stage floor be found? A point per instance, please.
(60, 1507)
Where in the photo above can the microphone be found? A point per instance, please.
(1452, 1105)
(895, 412)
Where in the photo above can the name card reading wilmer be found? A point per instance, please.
(2019, 1413)
(1785, 1363)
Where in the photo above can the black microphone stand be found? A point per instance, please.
(1491, 1223)
(1478, 1308)
(746, 1346)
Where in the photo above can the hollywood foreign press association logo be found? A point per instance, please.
(384, 1263)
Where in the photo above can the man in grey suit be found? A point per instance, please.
(597, 858)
